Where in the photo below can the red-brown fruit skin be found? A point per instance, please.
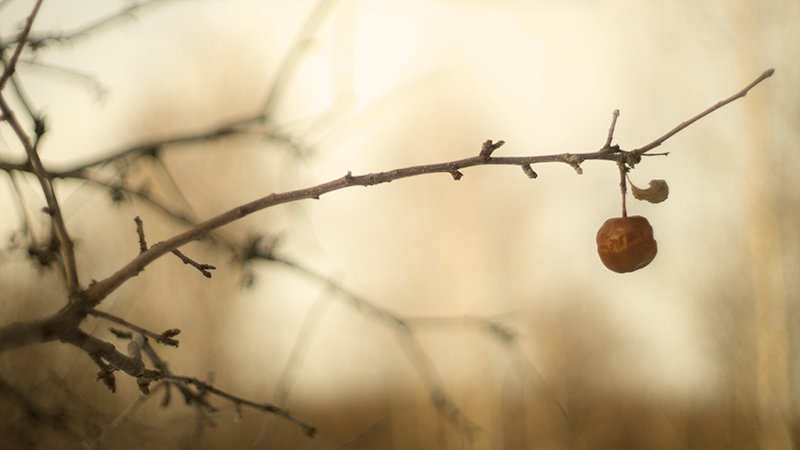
(626, 244)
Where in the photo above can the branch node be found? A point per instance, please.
(106, 373)
(529, 171)
(348, 177)
(632, 158)
(574, 161)
(489, 147)
(39, 126)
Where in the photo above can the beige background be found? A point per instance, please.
(696, 348)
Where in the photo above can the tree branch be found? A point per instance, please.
(164, 338)
(39, 41)
(12, 63)
(767, 73)
(53, 208)
(99, 290)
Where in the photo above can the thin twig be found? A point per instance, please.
(39, 41)
(423, 364)
(767, 73)
(203, 268)
(266, 407)
(288, 375)
(293, 57)
(140, 234)
(165, 337)
(610, 137)
(623, 187)
(84, 78)
(109, 359)
(220, 131)
(101, 289)
(53, 208)
(12, 63)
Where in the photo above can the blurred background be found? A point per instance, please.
(427, 312)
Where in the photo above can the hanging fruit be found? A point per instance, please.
(626, 243)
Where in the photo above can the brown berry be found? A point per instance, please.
(626, 244)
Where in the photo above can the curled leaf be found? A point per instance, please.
(657, 192)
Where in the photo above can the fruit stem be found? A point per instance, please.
(623, 186)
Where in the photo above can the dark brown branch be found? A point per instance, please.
(20, 334)
(203, 268)
(165, 337)
(53, 208)
(12, 63)
(109, 359)
(204, 387)
(140, 234)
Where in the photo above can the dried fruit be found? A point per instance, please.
(626, 244)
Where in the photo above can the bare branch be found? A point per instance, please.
(203, 268)
(217, 132)
(293, 57)
(165, 337)
(38, 41)
(109, 359)
(140, 234)
(767, 73)
(266, 407)
(97, 292)
(12, 63)
(610, 137)
(425, 368)
(20, 334)
(53, 208)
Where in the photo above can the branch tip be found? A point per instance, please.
(610, 136)
(529, 171)
(203, 268)
(140, 233)
(574, 161)
(456, 174)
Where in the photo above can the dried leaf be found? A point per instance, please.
(657, 192)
